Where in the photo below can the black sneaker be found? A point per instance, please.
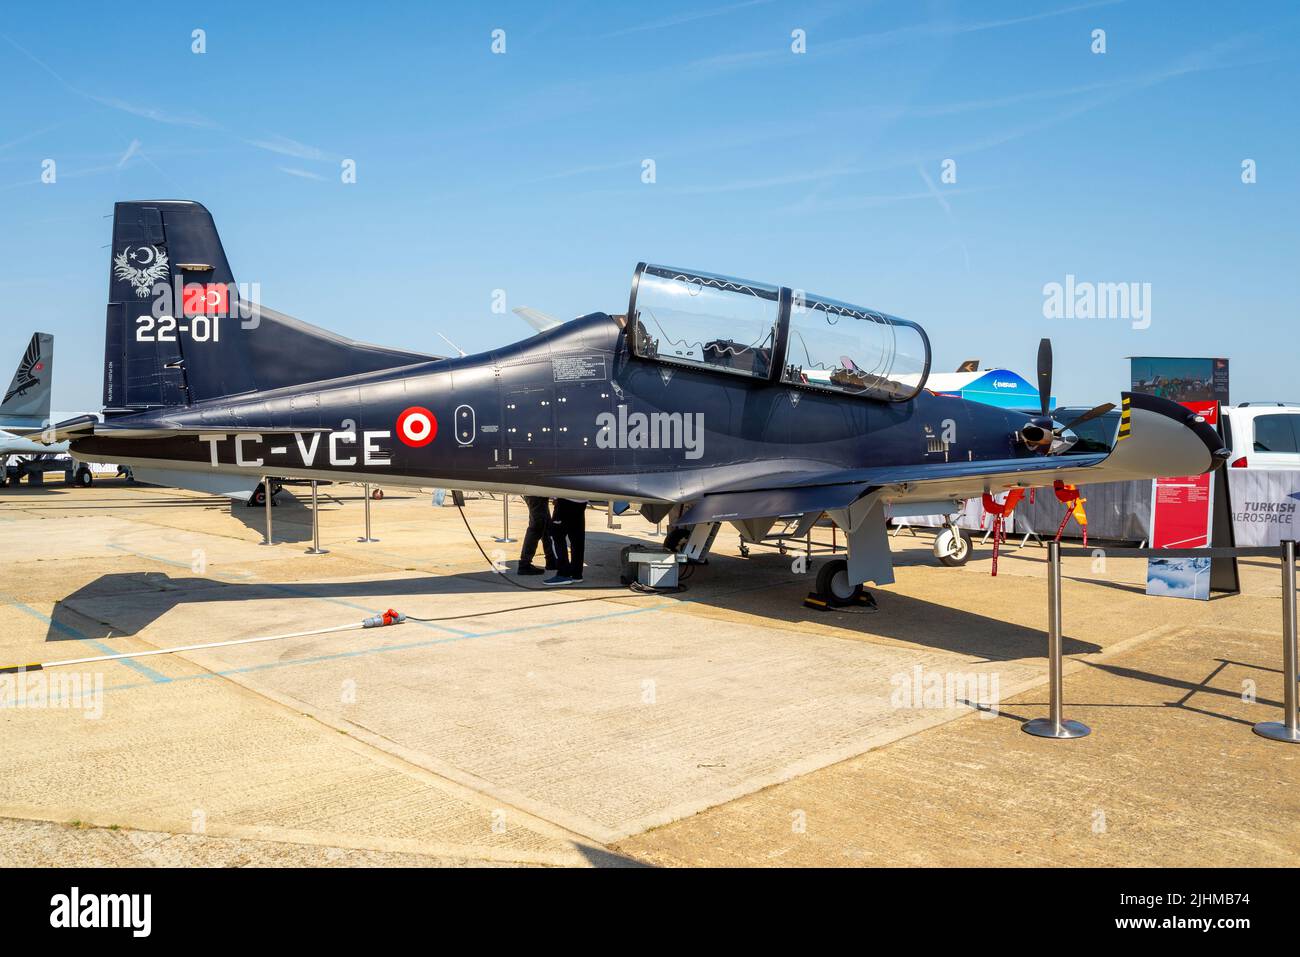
(528, 570)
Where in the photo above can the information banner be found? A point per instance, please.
(1182, 516)
(1265, 506)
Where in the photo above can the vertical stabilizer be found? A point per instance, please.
(27, 400)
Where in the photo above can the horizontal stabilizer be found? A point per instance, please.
(537, 319)
(85, 426)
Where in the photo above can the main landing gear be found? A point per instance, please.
(833, 583)
(258, 498)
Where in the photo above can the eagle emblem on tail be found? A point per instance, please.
(152, 267)
(28, 368)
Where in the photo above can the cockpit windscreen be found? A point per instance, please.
(844, 348)
(715, 322)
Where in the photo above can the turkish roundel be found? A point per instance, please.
(417, 427)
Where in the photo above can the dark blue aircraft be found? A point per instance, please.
(710, 400)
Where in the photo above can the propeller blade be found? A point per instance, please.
(1086, 417)
(1045, 374)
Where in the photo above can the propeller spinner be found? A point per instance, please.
(1042, 431)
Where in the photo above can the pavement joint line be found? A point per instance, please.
(405, 646)
(454, 638)
(245, 578)
(297, 836)
(153, 676)
(172, 562)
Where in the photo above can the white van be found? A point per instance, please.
(1263, 435)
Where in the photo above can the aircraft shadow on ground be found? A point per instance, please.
(290, 518)
(135, 600)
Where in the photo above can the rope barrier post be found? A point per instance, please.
(366, 537)
(1286, 729)
(315, 526)
(609, 517)
(266, 492)
(504, 538)
(1054, 726)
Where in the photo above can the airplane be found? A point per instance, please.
(26, 408)
(24, 411)
(709, 400)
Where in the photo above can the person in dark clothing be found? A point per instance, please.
(568, 539)
(539, 520)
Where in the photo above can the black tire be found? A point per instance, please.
(953, 552)
(258, 498)
(833, 583)
(85, 478)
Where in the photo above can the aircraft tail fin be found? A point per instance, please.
(27, 400)
(180, 330)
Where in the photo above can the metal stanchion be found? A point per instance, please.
(1286, 729)
(504, 538)
(1054, 726)
(266, 491)
(315, 526)
(366, 537)
(609, 519)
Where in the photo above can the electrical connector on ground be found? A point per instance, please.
(389, 617)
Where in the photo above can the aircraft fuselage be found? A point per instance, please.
(568, 411)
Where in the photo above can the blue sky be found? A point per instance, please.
(522, 171)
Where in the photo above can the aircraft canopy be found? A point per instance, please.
(740, 327)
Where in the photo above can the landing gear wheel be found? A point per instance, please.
(258, 498)
(744, 550)
(377, 494)
(952, 546)
(833, 583)
(84, 477)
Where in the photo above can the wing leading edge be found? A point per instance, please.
(1157, 438)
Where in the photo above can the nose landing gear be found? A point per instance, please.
(952, 546)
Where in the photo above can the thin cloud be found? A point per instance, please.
(130, 151)
(305, 174)
(743, 60)
(684, 18)
(288, 147)
(813, 205)
(152, 113)
(767, 182)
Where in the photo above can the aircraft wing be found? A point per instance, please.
(1156, 438)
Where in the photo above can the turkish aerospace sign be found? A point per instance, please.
(1264, 505)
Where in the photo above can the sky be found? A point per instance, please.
(942, 161)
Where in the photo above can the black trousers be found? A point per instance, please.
(539, 520)
(568, 531)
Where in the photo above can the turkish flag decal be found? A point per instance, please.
(210, 299)
(417, 427)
